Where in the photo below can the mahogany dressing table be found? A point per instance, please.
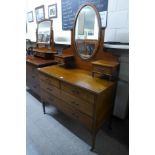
(43, 55)
(74, 91)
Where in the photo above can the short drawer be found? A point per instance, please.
(50, 89)
(76, 102)
(59, 60)
(49, 80)
(78, 92)
(104, 70)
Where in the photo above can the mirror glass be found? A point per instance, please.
(44, 32)
(86, 32)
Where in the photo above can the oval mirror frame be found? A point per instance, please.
(99, 30)
(38, 42)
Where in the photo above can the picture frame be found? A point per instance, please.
(40, 13)
(52, 11)
(30, 16)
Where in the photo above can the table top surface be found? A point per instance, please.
(78, 77)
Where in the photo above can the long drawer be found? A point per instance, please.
(75, 114)
(78, 103)
(50, 89)
(49, 80)
(76, 91)
(67, 109)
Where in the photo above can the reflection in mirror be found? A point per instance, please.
(44, 32)
(86, 32)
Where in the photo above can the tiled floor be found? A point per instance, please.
(56, 134)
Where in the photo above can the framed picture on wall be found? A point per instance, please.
(40, 13)
(52, 11)
(30, 16)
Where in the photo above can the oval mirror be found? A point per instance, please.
(87, 31)
(44, 32)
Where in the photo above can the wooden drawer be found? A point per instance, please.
(34, 79)
(46, 97)
(102, 69)
(67, 109)
(76, 91)
(59, 60)
(50, 89)
(36, 89)
(75, 114)
(49, 80)
(31, 72)
(76, 102)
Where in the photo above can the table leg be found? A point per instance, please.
(93, 141)
(43, 103)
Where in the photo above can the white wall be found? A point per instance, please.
(117, 21)
(57, 22)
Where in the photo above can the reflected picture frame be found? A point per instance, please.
(40, 13)
(52, 11)
(30, 16)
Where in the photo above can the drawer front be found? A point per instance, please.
(32, 78)
(78, 103)
(49, 80)
(75, 114)
(31, 72)
(59, 60)
(78, 92)
(67, 109)
(50, 89)
(105, 70)
(36, 89)
(47, 97)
